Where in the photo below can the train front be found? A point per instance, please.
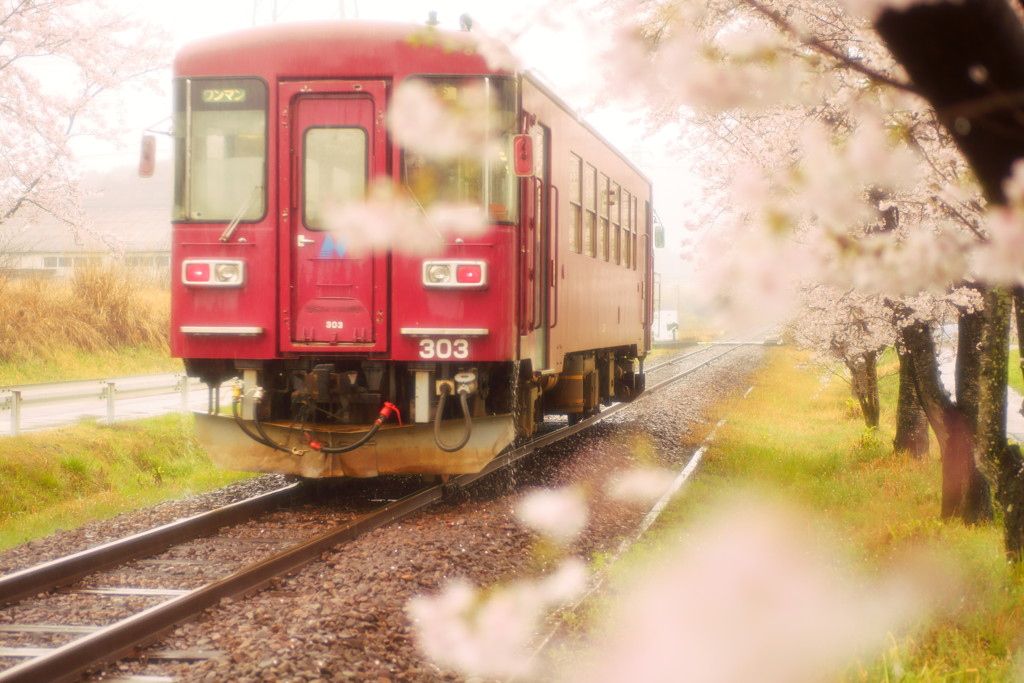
(364, 317)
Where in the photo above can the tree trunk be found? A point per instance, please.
(968, 364)
(864, 383)
(911, 422)
(964, 489)
(1003, 463)
(1012, 488)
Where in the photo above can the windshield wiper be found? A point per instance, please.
(233, 225)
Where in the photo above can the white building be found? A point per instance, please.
(134, 211)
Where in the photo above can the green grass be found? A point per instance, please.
(62, 478)
(796, 437)
(66, 365)
(1016, 377)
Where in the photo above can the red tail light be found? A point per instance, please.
(469, 274)
(197, 272)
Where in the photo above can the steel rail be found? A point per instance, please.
(677, 359)
(64, 571)
(505, 459)
(707, 346)
(123, 638)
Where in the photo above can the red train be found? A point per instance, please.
(380, 361)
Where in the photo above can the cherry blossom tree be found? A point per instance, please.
(62, 63)
(871, 159)
(851, 328)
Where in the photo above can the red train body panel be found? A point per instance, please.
(547, 310)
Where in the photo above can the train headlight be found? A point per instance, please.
(455, 274)
(228, 273)
(213, 273)
(435, 274)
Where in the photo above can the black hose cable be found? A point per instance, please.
(385, 413)
(464, 401)
(262, 438)
(355, 444)
(270, 442)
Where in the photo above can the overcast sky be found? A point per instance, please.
(554, 44)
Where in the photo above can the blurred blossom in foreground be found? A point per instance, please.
(871, 9)
(557, 514)
(998, 260)
(390, 220)
(491, 635)
(751, 595)
(641, 484)
(423, 122)
(495, 50)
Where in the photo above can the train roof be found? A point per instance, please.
(354, 49)
(327, 48)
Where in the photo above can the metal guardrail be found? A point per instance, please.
(13, 398)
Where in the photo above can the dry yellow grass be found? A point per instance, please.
(98, 309)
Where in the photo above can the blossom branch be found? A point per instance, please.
(821, 46)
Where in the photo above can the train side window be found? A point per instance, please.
(603, 199)
(334, 171)
(575, 203)
(627, 240)
(590, 210)
(616, 211)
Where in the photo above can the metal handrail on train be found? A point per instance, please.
(13, 398)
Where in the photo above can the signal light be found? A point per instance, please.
(213, 273)
(455, 274)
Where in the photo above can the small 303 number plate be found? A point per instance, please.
(444, 349)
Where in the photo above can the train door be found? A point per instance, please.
(536, 253)
(336, 147)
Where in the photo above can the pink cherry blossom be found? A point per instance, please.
(388, 219)
(424, 123)
(87, 50)
(641, 484)
(557, 514)
(753, 593)
(490, 634)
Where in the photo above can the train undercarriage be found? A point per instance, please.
(328, 416)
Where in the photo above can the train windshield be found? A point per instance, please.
(485, 177)
(220, 149)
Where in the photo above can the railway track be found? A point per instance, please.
(154, 601)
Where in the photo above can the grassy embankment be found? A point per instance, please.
(798, 436)
(102, 323)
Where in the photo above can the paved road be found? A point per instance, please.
(1014, 401)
